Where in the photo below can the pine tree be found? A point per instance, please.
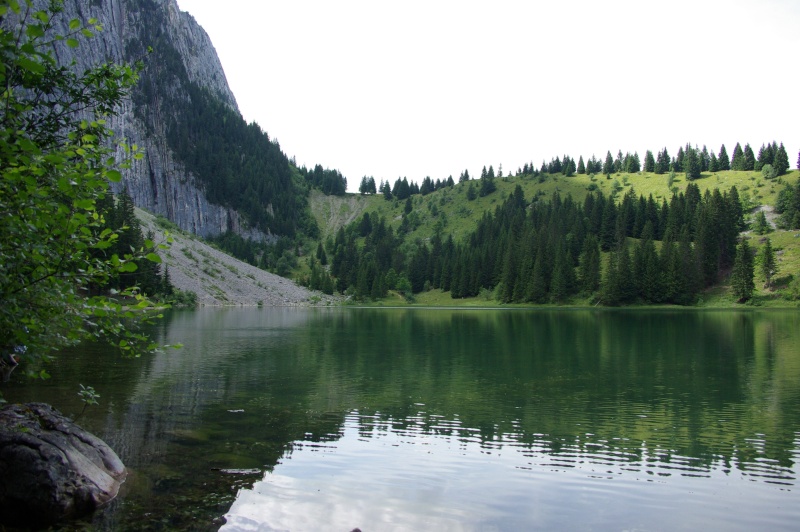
(742, 275)
(737, 161)
(769, 265)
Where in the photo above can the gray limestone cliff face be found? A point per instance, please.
(159, 182)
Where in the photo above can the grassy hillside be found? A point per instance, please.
(450, 211)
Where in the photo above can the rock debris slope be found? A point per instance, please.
(219, 279)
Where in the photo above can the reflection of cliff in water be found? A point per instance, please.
(182, 395)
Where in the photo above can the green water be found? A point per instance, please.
(412, 419)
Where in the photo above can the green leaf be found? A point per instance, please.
(128, 267)
(114, 176)
(30, 66)
(34, 31)
(74, 24)
(152, 257)
(86, 204)
(72, 42)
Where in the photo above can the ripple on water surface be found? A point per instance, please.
(427, 472)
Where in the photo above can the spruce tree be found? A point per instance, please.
(781, 161)
(537, 291)
(705, 160)
(322, 257)
(723, 161)
(649, 162)
(749, 161)
(581, 165)
(166, 283)
(760, 225)
(677, 163)
(742, 275)
(691, 164)
(737, 160)
(589, 265)
(768, 264)
(713, 165)
(608, 166)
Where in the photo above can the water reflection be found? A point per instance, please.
(437, 474)
(450, 419)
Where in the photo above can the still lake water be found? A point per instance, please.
(433, 419)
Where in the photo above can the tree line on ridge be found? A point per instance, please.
(549, 251)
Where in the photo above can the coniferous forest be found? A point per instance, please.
(612, 249)
(547, 251)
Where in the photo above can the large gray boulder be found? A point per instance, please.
(50, 468)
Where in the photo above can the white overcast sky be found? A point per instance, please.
(430, 88)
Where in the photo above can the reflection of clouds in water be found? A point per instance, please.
(386, 482)
(390, 475)
(292, 504)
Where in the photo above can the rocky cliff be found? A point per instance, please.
(184, 55)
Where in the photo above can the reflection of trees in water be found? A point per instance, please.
(696, 390)
(671, 384)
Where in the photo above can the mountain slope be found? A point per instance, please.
(203, 168)
(219, 279)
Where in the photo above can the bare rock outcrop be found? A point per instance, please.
(50, 468)
(159, 182)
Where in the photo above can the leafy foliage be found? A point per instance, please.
(54, 243)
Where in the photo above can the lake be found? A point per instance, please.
(448, 419)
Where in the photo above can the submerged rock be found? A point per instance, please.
(50, 468)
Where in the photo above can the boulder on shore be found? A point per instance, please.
(50, 468)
